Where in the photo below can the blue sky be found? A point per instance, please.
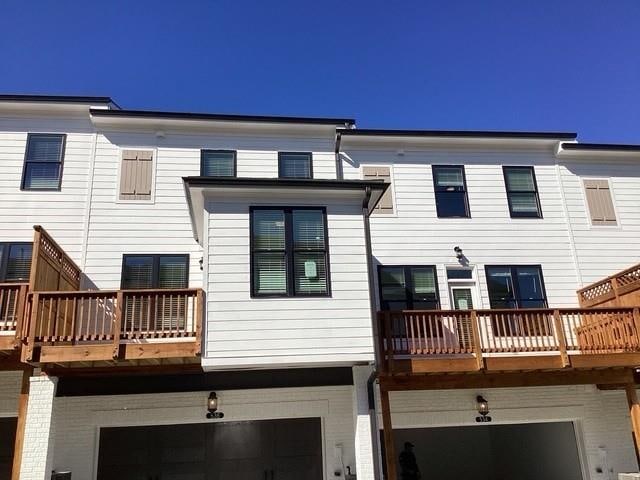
(567, 65)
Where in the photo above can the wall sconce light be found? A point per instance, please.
(459, 253)
(201, 263)
(483, 410)
(212, 406)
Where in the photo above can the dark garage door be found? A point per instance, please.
(262, 450)
(535, 451)
(7, 439)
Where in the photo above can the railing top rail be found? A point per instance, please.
(13, 284)
(489, 311)
(104, 293)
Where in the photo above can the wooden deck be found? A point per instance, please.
(619, 290)
(97, 328)
(468, 341)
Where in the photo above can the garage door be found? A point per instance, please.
(488, 452)
(262, 450)
(7, 439)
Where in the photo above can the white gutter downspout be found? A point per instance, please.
(87, 213)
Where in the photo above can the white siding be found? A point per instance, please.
(61, 213)
(604, 250)
(245, 331)
(414, 235)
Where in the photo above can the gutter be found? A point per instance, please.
(339, 171)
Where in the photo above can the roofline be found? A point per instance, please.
(285, 182)
(611, 147)
(370, 132)
(220, 117)
(56, 99)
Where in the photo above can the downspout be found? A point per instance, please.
(339, 171)
(87, 213)
(373, 416)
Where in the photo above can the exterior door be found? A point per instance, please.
(267, 449)
(7, 440)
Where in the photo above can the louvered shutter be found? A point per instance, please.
(385, 206)
(600, 202)
(136, 175)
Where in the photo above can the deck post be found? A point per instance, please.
(23, 401)
(560, 338)
(387, 428)
(634, 413)
(477, 340)
(117, 324)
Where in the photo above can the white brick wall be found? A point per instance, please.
(602, 417)
(37, 453)
(9, 391)
(78, 419)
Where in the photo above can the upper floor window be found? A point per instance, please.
(408, 288)
(155, 271)
(218, 163)
(136, 175)
(15, 261)
(522, 192)
(451, 191)
(295, 165)
(43, 161)
(385, 205)
(289, 252)
(516, 286)
(600, 202)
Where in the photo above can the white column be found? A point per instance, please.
(362, 424)
(37, 452)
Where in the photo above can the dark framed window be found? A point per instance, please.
(522, 192)
(450, 187)
(218, 163)
(141, 271)
(295, 165)
(408, 288)
(15, 261)
(516, 286)
(43, 161)
(289, 252)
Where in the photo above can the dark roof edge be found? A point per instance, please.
(220, 117)
(613, 147)
(283, 182)
(366, 132)
(55, 99)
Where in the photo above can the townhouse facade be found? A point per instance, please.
(207, 296)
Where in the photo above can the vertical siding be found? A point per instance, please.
(414, 235)
(258, 331)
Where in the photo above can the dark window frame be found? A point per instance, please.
(4, 261)
(516, 288)
(155, 267)
(535, 191)
(26, 161)
(214, 150)
(408, 284)
(289, 253)
(280, 159)
(440, 190)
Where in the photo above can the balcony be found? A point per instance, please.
(139, 327)
(619, 290)
(464, 341)
(13, 298)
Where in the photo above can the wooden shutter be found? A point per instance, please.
(385, 206)
(600, 202)
(136, 175)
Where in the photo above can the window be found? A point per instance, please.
(154, 271)
(15, 261)
(43, 162)
(516, 287)
(600, 202)
(289, 252)
(136, 175)
(408, 288)
(218, 163)
(522, 192)
(451, 191)
(295, 165)
(385, 205)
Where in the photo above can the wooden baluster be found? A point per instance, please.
(198, 312)
(21, 307)
(476, 341)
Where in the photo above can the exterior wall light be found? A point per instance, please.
(483, 410)
(212, 406)
(459, 253)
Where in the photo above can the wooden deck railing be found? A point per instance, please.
(617, 290)
(111, 316)
(459, 333)
(13, 298)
